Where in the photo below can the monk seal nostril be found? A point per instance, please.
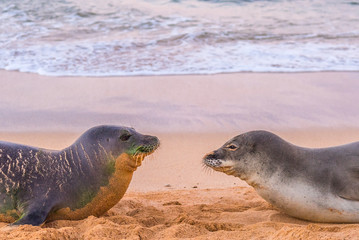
(211, 156)
(314, 184)
(87, 178)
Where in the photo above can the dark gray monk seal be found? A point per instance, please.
(319, 185)
(87, 178)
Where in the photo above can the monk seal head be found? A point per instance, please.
(116, 140)
(242, 155)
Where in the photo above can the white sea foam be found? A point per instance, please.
(86, 38)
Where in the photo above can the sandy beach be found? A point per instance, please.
(171, 195)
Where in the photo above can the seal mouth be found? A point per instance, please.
(142, 152)
(213, 163)
(220, 165)
(146, 149)
(217, 165)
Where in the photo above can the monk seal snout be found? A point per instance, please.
(139, 151)
(149, 142)
(217, 162)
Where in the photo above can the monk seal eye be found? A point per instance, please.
(107, 139)
(231, 147)
(124, 137)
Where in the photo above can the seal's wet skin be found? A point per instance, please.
(319, 185)
(87, 178)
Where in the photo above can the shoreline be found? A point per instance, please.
(179, 74)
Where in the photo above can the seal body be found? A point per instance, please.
(87, 178)
(320, 185)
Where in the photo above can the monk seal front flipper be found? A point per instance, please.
(87, 178)
(319, 185)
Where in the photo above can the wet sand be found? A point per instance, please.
(171, 195)
(194, 103)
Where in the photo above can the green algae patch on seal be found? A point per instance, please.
(87, 178)
(320, 185)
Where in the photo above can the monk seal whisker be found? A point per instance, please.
(87, 178)
(320, 185)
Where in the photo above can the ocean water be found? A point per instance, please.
(156, 37)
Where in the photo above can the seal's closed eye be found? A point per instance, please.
(124, 137)
(232, 147)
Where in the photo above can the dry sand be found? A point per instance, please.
(231, 213)
(171, 195)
